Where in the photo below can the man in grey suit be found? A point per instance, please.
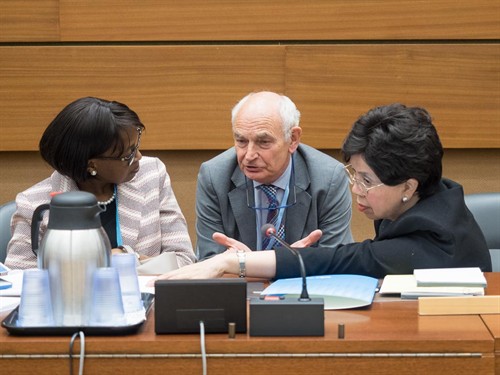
(309, 189)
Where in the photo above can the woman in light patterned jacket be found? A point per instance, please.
(93, 145)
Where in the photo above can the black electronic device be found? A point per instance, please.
(180, 305)
(281, 316)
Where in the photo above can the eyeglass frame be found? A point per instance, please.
(354, 180)
(130, 157)
(250, 192)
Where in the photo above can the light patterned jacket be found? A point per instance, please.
(151, 220)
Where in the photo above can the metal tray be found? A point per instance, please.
(10, 323)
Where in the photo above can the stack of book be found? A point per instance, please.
(444, 291)
(435, 282)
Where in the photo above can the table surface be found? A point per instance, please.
(389, 326)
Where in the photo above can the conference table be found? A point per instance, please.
(387, 337)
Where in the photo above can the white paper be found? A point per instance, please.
(143, 280)
(16, 278)
(9, 303)
(406, 287)
(158, 265)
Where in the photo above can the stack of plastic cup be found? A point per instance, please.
(35, 308)
(129, 282)
(107, 304)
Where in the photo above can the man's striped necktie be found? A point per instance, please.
(272, 214)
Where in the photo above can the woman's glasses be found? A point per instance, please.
(365, 187)
(130, 157)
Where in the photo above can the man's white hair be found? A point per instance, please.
(290, 115)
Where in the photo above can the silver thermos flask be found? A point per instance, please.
(73, 246)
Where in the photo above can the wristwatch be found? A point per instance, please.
(242, 261)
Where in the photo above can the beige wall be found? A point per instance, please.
(478, 170)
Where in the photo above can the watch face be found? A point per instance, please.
(241, 260)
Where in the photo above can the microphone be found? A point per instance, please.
(281, 316)
(268, 230)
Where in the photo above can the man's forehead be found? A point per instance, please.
(258, 125)
(253, 134)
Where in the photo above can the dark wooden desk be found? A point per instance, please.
(388, 337)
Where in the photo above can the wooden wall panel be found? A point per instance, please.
(255, 20)
(29, 20)
(278, 20)
(184, 94)
(459, 85)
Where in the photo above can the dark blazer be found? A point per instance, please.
(323, 202)
(438, 232)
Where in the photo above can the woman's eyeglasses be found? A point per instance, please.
(363, 186)
(127, 158)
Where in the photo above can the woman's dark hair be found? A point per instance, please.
(84, 129)
(398, 143)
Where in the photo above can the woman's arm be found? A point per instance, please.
(260, 264)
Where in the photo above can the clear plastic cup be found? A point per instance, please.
(107, 305)
(35, 308)
(129, 282)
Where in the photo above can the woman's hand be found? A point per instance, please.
(116, 250)
(207, 269)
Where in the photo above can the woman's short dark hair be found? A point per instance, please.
(84, 129)
(398, 143)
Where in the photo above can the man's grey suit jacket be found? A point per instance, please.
(323, 202)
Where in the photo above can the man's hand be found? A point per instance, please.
(307, 241)
(230, 243)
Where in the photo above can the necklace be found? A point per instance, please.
(105, 203)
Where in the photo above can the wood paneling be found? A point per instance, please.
(29, 20)
(256, 20)
(458, 84)
(278, 20)
(184, 94)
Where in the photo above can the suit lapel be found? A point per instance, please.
(238, 201)
(297, 214)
